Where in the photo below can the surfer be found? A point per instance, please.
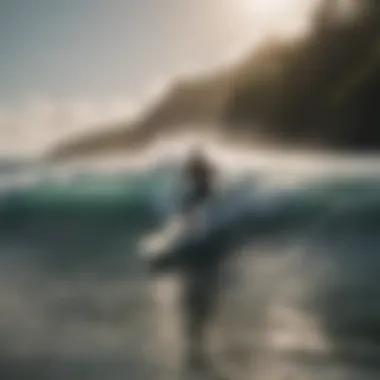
(199, 292)
(200, 273)
(199, 175)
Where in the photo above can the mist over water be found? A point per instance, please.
(299, 296)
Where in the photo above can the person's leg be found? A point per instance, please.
(198, 307)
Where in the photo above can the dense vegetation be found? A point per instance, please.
(321, 90)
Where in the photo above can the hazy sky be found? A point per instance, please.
(67, 63)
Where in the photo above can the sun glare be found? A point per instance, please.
(267, 7)
(280, 16)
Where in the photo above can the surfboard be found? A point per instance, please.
(181, 230)
(177, 230)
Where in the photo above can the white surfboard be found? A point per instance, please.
(153, 244)
(178, 229)
(182, 229)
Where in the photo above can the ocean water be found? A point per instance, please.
(299, 297)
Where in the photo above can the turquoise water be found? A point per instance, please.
(77, 301)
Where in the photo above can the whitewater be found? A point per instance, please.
(299, 296)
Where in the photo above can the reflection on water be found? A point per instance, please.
(298, 301)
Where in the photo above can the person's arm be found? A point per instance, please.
(212, 175)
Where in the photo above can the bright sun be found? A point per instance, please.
(280, 15)
(268, 7)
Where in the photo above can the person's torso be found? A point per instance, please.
(199, 176)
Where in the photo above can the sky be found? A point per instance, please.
(67, 65)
